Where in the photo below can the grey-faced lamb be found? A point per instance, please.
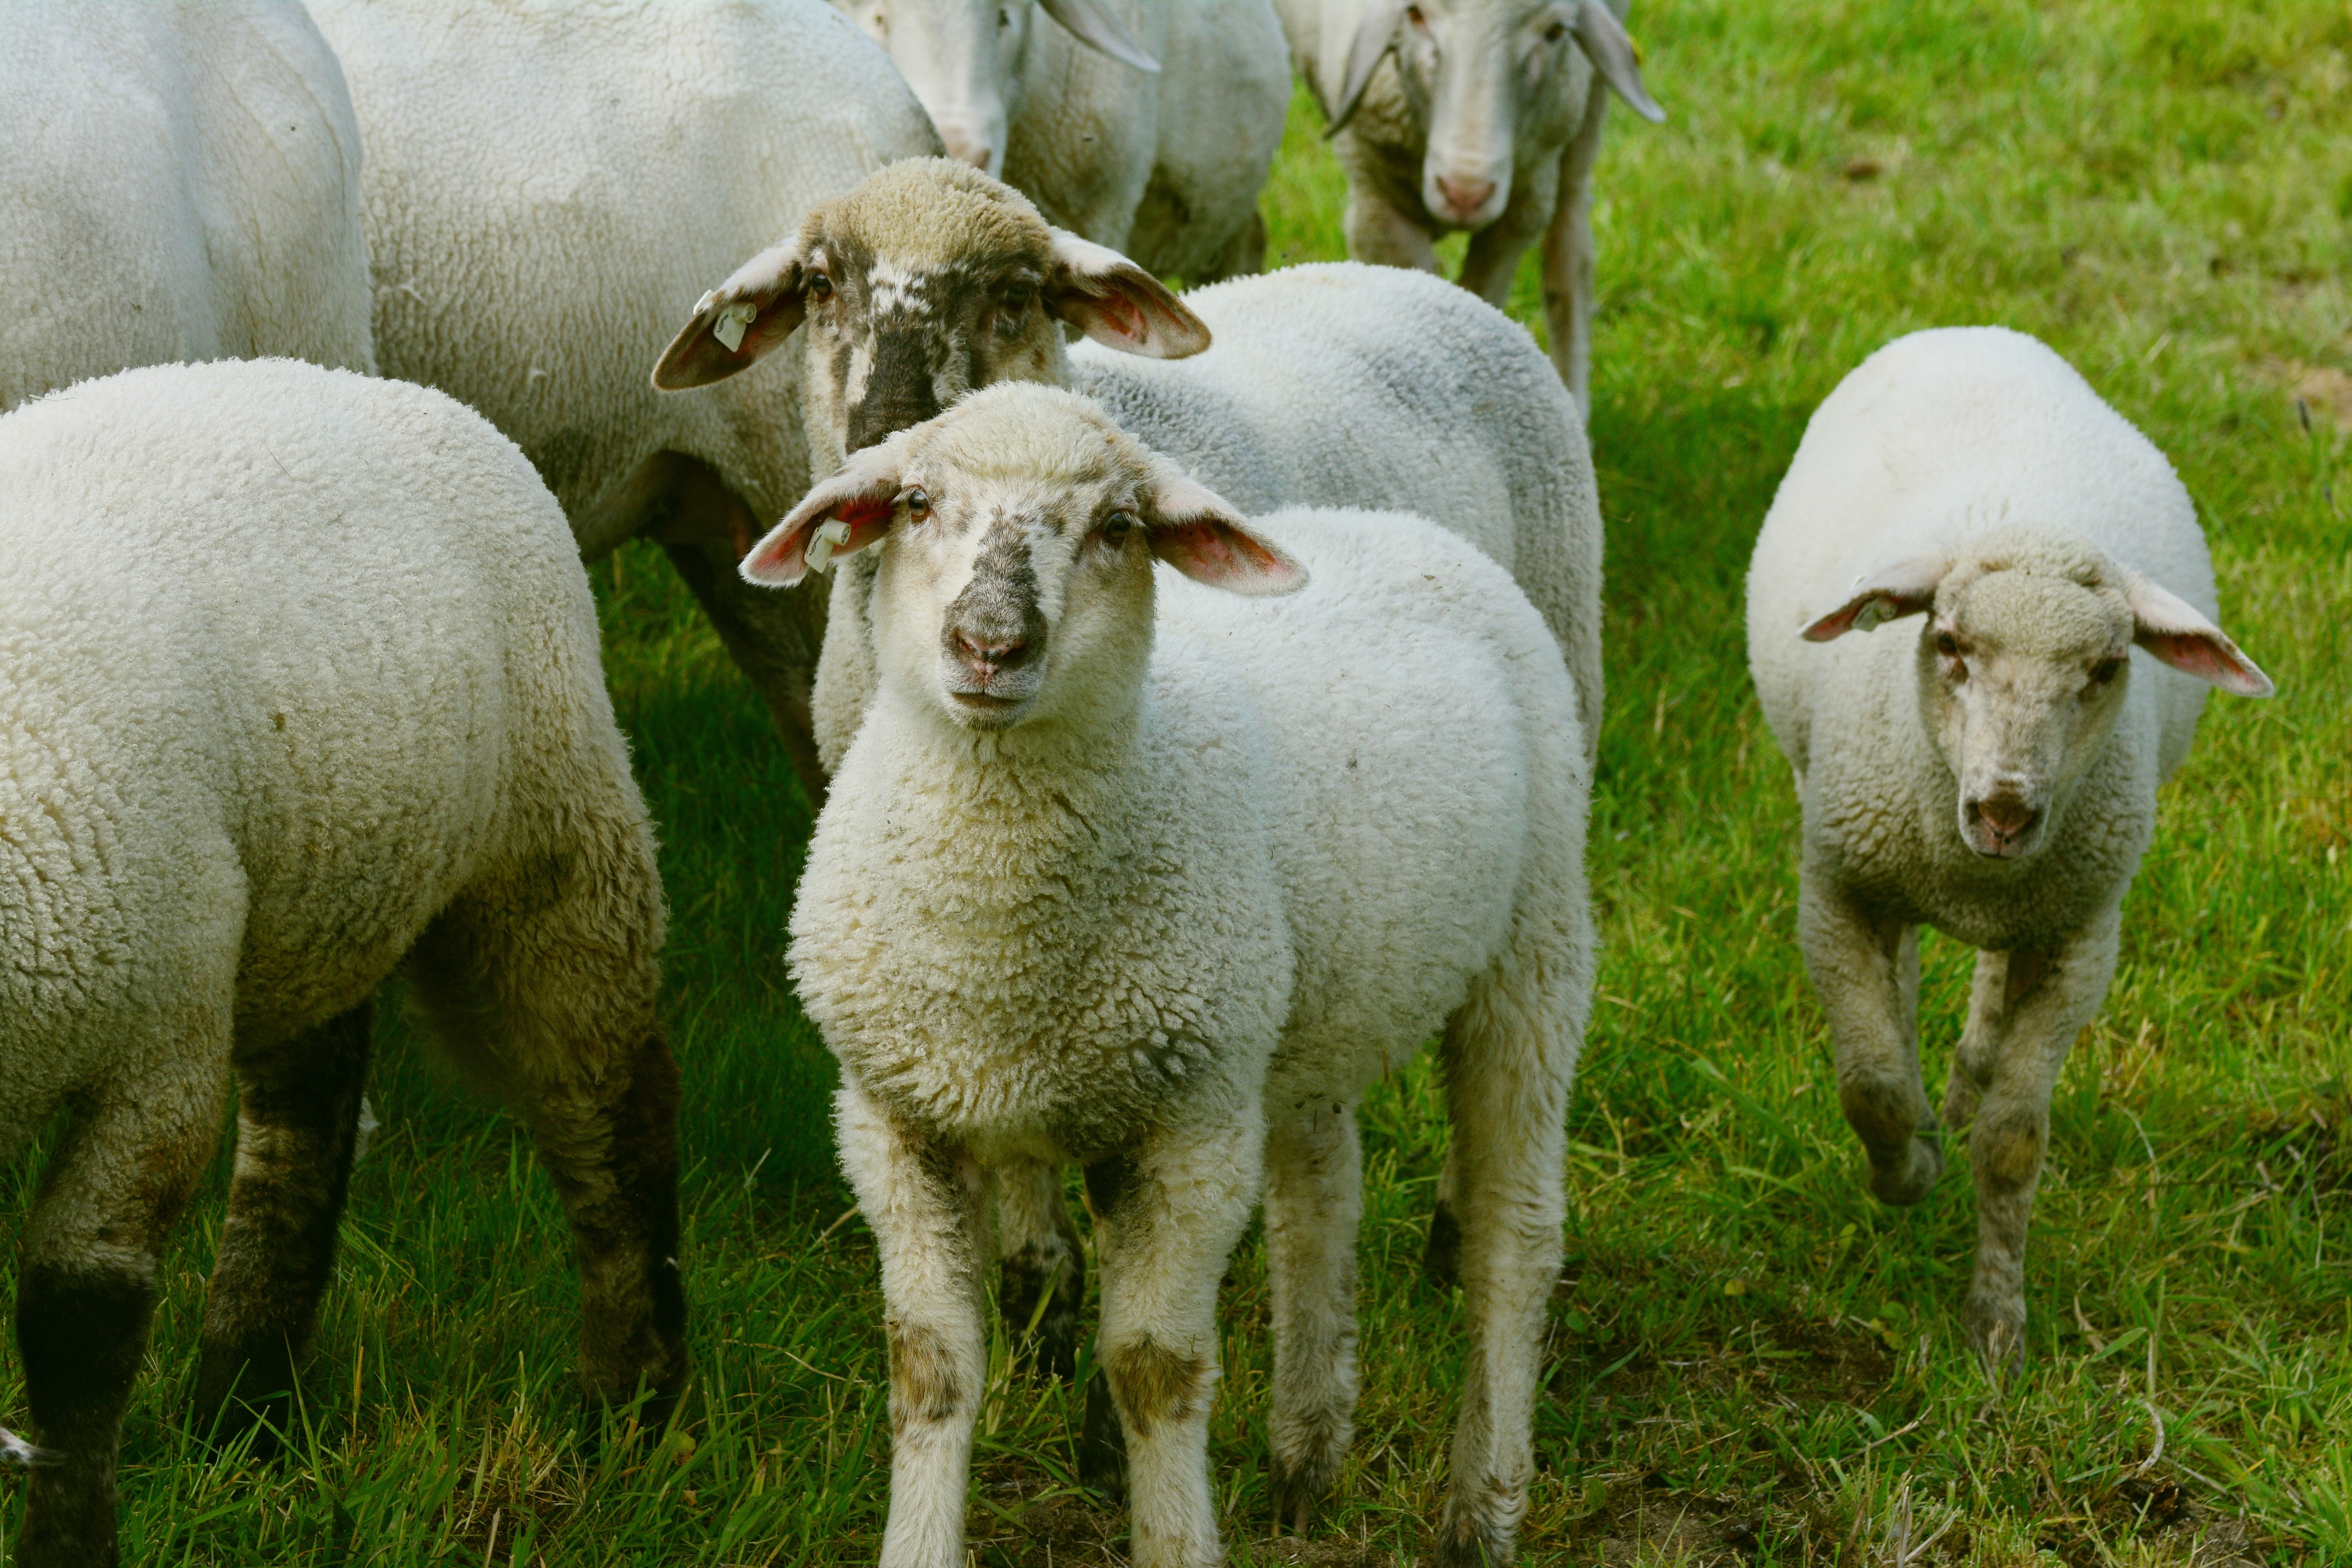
(1483, 115)
(1339, 385)
(1994, 774)
(176, 183)
(1136, 873)
(549, 188)
(1145, 125)
(299, 687)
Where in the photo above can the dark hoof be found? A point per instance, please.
(1294, 1493)
(252, 1403)
(1903, 1184)
(1996, 1327)
(1102, 1442)
(1440, 1260)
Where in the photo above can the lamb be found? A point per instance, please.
(1994, 775)
(1137, 876)
(298, 686)
(549, 187)
(1486, 121)
(1343, 386)
(1147, 127)
(176, 183)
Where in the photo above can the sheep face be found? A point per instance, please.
(2024, 665)
(963, 59)
(1018, 531)
(927, 282)
(1481, 76)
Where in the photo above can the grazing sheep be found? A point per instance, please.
(1994, 775)
(298, 686)
(176, 183)
(1145, 125)
(1487, 120)
(549, 186)
(1137, 875)
(1339, 385)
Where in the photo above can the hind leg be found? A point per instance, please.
(1043, 1278)
(1508, 1057)
(87, 1286)
(297, 1123)
(1314, 1205)
(542, 987)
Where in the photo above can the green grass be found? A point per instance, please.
(1751, 1359)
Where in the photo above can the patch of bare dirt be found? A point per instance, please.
(2322, 392)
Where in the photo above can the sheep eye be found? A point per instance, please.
(1948, 644)
(1004, 17)
(916, 502)
(1118, 526)
(2105, 670)
(820, 286)
(1556, 32)
(1016, 297)
(1412, 14)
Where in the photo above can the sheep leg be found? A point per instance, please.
(1508, 1058)
(1042, 1273)
(1314, 1203)
(1378, 230)
(1441, 1256)
(1165, 1219)
(1866, 972)
(1568, 257)
(922, 1202)
(297, 1123)
(2044, 1002)
(774, 635)
(87, 1286)
(1977, 1054)
(542, 988)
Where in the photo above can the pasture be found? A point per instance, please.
(1750, 1359)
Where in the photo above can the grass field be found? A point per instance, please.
(1749, 1360)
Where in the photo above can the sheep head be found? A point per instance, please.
(1017, 532)
(2023, 664)
(927, 282)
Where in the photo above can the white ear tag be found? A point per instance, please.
(733, 322)
(831, 537)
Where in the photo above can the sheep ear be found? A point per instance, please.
(2171, 629)
(1615, 54)
(1099, 29)
(1904, 588)
(1197, 532)
(735, 323)
(1375, 36)
(1119, 304)
(862, 498)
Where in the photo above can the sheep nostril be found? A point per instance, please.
(2006, 814)
(1464, 197)
(986, 657)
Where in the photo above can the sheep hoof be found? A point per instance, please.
(1440, 1261)
(1102, 1442)
(1464, 1542)
(1296, 1485)
(1996, 1326)
(1902, 1185)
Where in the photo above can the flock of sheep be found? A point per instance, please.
(326, 367)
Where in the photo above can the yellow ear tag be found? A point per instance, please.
(732, 322)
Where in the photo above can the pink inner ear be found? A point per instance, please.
(1840, 621)
(783, 554)
(1209, 551)
(2207, 658)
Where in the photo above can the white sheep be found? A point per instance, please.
(1473, 114)
(1993, 775)
(1139, 875)
(298, 686)
(176, 183)
(550, 187)
(1341, 385)
(1148, 126)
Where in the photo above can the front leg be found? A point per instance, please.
(1382, 230)
(2025, 1028)
(1166, 1218)
(1866, 972)
(923, 1203)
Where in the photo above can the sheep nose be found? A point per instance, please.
(986, 657)
(2007, 815)
(1464, 197)
(967, 142)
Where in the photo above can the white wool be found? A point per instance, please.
(176, 183)
(288, 657)
(550, 187)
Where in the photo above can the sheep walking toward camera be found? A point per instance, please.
(1137, 873)
(1995, 774)
(176, 183)
(1483, 115)
(1145, 125)
(299, 687)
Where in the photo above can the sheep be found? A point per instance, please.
(1995, 776)
(1146, 127)
(176, 183)
(548, 188)
(1486, 120)
(1340, 385)
(1138, 876)
(298, 686)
